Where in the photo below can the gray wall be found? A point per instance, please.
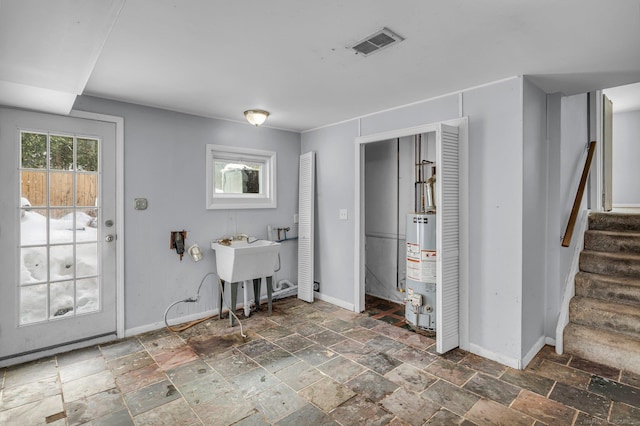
(575, 136)
(388, 198)
(567, 131)
(164, 162)
(381, 219)
(495, 224)
(626, 158)
(554, 218)
(334, 238)
(535, 187)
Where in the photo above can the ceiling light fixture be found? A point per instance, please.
(256, 116)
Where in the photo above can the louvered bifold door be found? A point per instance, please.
(306, 199)
(447, 239)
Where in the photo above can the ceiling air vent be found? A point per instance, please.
(376, 42)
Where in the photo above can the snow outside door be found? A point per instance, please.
(57, 231)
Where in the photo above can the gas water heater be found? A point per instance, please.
(420, 310)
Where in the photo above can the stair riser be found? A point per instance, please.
(611, 349)
(585, 314)
(610, 243)
(614, 222)
(619, 267)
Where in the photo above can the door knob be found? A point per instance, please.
(109, 238)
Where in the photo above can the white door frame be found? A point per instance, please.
(119, 122)
(359, 246)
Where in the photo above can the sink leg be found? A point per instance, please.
(247, 308)
(220, 293)
(269, 292)
(257, 283)
(234, 301)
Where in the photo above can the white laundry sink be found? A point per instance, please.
(243, 261)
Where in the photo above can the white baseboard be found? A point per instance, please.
(173, 321)
(550, 341)
(533, 351)
(512, 362)
(569, 284)
(334, 301)
(502, 359)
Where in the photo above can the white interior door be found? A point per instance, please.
(306, 202)
(58, 230)
(447, 238)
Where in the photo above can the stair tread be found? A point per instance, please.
(621, 221)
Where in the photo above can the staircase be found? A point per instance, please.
(604, 315)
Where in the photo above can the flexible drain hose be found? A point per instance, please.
(193, 300)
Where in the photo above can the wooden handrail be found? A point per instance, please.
(566, 241)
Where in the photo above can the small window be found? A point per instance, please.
(240, 178)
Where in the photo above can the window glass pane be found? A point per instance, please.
(87, 155)
(61, 226)
(33, 227)
(61, 264)
(33, 303)
(237, 178)
(34, 150)
(87, 225)
(62, 301)
(33, 188)
(86, 189)
(87, 295)
(86, 260)
(33, 265)
(61, 152)
(61, 189)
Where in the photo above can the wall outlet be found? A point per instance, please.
(295, 218)
(343, 214)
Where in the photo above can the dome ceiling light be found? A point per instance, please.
(256, 116)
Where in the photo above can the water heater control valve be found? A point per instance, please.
(413, 298)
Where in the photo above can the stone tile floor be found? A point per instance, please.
(309, 364)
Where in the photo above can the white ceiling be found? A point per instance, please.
(218, 58)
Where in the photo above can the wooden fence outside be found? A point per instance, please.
(34, 188)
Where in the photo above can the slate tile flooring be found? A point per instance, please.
(309, 364)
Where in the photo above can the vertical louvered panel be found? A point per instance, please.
(447, 239)
(306, 199)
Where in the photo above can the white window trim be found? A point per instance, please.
(265, 200)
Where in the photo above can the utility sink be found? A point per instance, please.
(242, 261)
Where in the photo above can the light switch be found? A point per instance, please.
(140, 204)
(343, 214)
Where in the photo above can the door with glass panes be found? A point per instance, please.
(58, 231)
